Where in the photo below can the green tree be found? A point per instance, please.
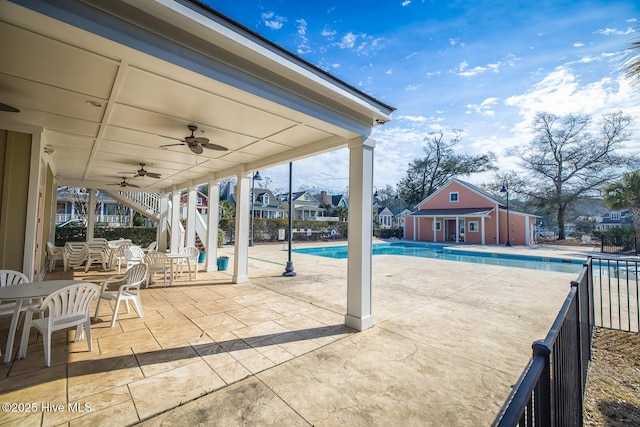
(341, 212)
(624, 194)
(227, 210)
(566, 161)
(440, 164)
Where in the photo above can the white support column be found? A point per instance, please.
(435, 230)
(163, 222)
(484, 240)
(176, 236)
(497, 224)
(212, 225)
(359, 297)
(415, 228)
(241, 264)
(91, 213)
(192, 198)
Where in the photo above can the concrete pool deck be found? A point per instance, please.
(449, 340)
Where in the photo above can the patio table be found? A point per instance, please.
(175, 256)
(26, 291)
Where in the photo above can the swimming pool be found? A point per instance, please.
(453, 254)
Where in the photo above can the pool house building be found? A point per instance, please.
(461, 212)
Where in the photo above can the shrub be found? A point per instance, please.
(140, 236)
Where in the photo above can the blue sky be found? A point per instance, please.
(484, 66)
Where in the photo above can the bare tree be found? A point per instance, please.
(567, 161)
(440, 164)
(79, 197)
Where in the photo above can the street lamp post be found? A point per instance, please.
(288, 271)
(506, 190)
(256, 177)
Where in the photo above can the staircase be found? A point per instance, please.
(148, 204)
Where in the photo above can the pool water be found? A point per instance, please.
(453, 254)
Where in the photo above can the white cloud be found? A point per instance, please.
(578, 44)
(616, 32)
(273, 21)
(406, 3)
(303, 41)
(328, 33)
(485, 108)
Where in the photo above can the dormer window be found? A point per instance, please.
(265, 199)
(453, 196)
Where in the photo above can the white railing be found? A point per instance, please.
(201, 229)
(110, 219)
(151, 201)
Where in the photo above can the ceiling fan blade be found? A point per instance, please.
(211, 146)
(196, 148)
(153, 175)
(198, 139)
(131, 185)
(171, 145)
(8, 108)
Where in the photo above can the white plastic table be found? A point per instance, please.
(26, 291)
(174, 256)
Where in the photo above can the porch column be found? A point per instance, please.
(483, 233)
(213, 206)
(163, 222)
(435, 230)
(359, 295)
(241, 264)
(176, 235)
(457, 230)
(415, 229)
(91, 213)
(192, 197)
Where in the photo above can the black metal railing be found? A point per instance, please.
(551, 389)
(616, 286)
(620, 245)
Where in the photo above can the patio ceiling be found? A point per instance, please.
(150, 69)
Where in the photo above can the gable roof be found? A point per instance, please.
(485, 194)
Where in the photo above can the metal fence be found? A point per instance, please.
(619, 245)
(616, 285)
(550, 391)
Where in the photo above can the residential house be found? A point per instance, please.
(202, 204)
(266, 205)
(399, 216)
(462, 212)
(108, 211)
(384, 217)
(305, 206)
(614, 219)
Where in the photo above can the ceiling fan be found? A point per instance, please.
(124, 183)
(143, 172)
(196, 143)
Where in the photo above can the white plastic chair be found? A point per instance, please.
(11, 278)
(76, 254)
(134, 255)
(152, 247)
(118, 255)
(191, 262)
(65, 308)
(157, 262)
(55, 253)
(128, 290)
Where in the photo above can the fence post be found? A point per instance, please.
(542, 392)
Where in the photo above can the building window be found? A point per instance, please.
(199, 201)
(453, 196)
(615, 216)
(473, 226)
(61, 208)
(438, 226)
(265, 199)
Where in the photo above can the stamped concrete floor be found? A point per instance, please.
(449, 341)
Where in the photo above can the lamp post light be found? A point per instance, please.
(506, 190)
(288, 271)
(256, 177)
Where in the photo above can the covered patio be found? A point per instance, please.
(91, 90)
